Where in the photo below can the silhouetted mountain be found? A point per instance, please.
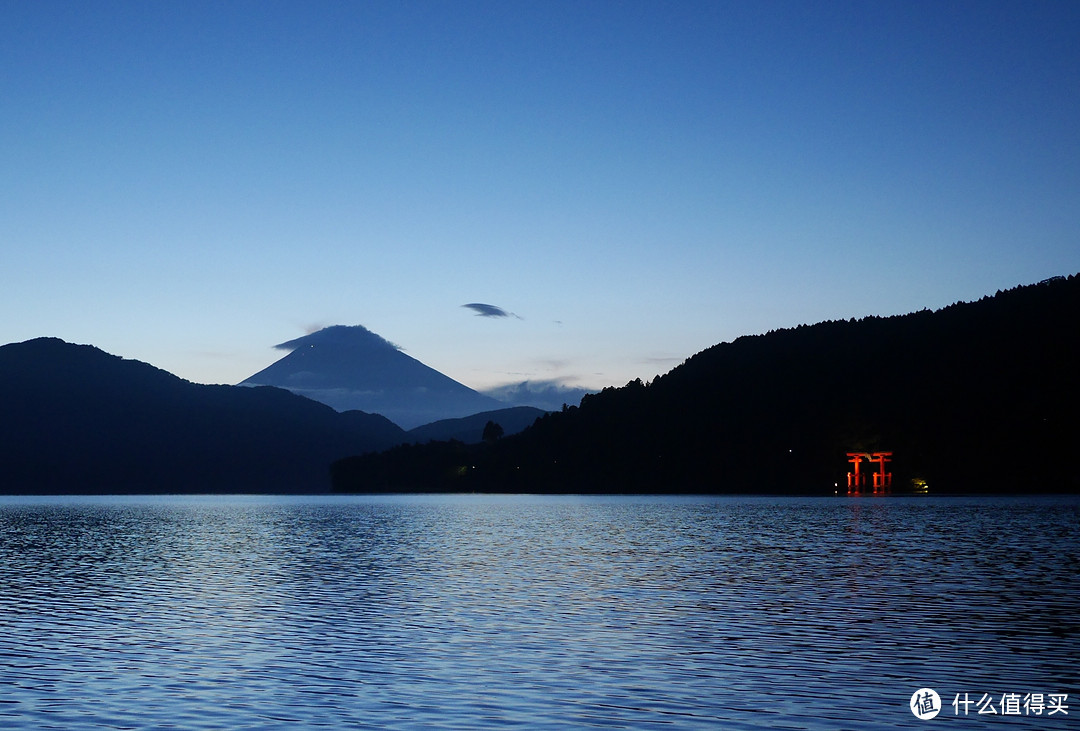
(981, 396)
(76, 419)
(353, 368)
(470, 429)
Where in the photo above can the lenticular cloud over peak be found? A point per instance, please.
(351, 335)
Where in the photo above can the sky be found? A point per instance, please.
(576, 192)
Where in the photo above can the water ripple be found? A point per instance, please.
(473, 611)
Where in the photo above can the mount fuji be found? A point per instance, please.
(350, 367)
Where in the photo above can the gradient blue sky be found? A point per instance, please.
(189, 183)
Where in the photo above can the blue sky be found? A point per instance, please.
(190, 183)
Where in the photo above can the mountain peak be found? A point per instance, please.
(354, 337)
(350, 367)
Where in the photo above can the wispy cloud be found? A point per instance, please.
(669, 361)
(549, 394)
(485, 310)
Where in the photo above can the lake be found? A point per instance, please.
(479, 611)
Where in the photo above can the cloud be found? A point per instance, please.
(483, 310)
(543, 394)
(669, 361)
(340, 335)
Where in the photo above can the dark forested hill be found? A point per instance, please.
(76, 419)
(978, 396)
(470, 429)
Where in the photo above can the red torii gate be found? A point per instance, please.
(882, 480)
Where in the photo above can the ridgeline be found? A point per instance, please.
(975, 397)
(74, 419)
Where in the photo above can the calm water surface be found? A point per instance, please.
(487, 611)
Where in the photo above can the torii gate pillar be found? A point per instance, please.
(855, 480)
(882, 479)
